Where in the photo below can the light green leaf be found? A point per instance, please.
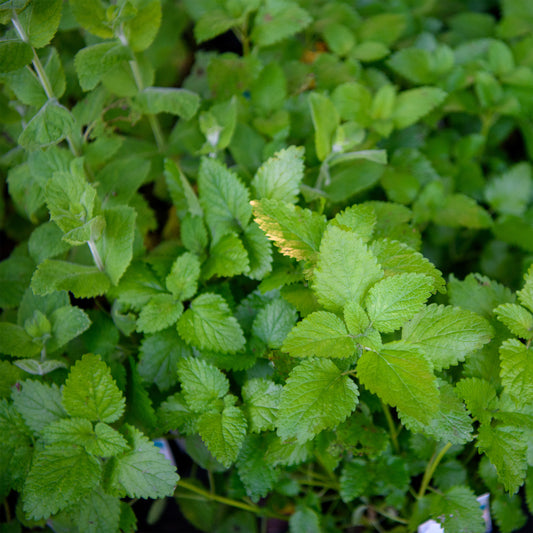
(274, 321)
(141, 30)
(459, 210)
(394, 300)
(280, 176)
(60, 476)
(183, 196)
(212, 23)
(49, 126)
(14, 55)
(525, 295)
(159, 313)
(319, 334)
(517, 371)
(413, 104)
(83, 281)
(446, 334)
(91, 15)
(16, 342)
(479, 396)
(295, 231)
(202, 383)
(40, 21)
(325, 120)
(67, 323)
(92, 62)
(142, 472)
(39, 404)
(182, 281)
(180, 102)
(227, 257)
(402, 377)
(223, 433)
(316, 396)
(261, 403)
(345, 269)
(358, 325)
(509, 194)
(360, 219)
(304, 519)
(209, 324)
(259, 251)
(159, 356)
(90, 391)
(193, 234)
(517, 319)
(108, 442)
(224, 198)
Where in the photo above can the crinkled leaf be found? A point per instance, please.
(159, 313)
(227, 257)
(517, 371)
(180, 102)
(354, 480)
(14, 55)
(98, 512)
(67, 323)
(16, 342)
(413, 104)
(525, 295)
(182, 281)
(479, 396)
(274, 321)
(261, 403)
(259, 251)
(360, 219)
(517, 319)
(141, 30)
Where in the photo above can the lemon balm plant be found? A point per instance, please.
(229, 249)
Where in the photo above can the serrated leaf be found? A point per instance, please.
(506, 448)
(108, 442)
(98, 512)
(274, 321)
(507, 512)
(413, 104)
(90, 391)
(517, 319)
(202, 383)
(14, 55)
(83, 281)
(141, 30)
(159, 355)
(517, 371)
(316, 396)
(345, 269)
(209, 324)
(402, 377)
(227, 257)
(479, 396)
(223, 433)
(525, 295)
(91, 15)
(259, 251)
(180, 102)
(67, 323)
(319, 334)
(295, 231)
(159, 313)
(223, 197)
(182, 281)
(261, 403)
(458, 511)
(174, 413)
(40, 21)
(280, 176)
(354, 480)
(358, 325)
(396, 257)
(446, 334)
(60, 476)
(16, 342)
(39, 404)
(142, 472)
(394, 300)
(360, 219)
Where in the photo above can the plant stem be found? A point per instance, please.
(7, 511)
(96, 256)
(431, 467)
(211, 481)
(392, 428)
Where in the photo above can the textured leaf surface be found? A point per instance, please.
(59, 476)
(354, 480)
(14, 55)
(325, 120)
(413, 104)
(182, 281)
(316, 396)
(261, 403)
(401, 376)
(447, 334)
(159, 313)
(517, 371)
(304, 519)
(319, 334)
(394, 300)
(517, 319)
(361, 219)
(295, 231)
(209, 324)
(274, 322)
(259, 251)
(180, 102)
(142, 472)
(90, 391)
(16, 342)
(479, 396)
(67, 323)
(525, 295)
(98, 512)
(227, 257)
(345, 269)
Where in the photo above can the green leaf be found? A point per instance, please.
(274, 321)
(227, 257)
(459, 210)
(223, 433)
(223, 197)
(40, 21)
(159, 313)
(14, 55)
(9, 375)
(60, 476)
(517, 319)
(345, 269)
(360, 219)
(91, 15)
(212, 23)
(479, 396)
(394, 300)
(39, 404)
(209, 324)
(525, 295)
(413, 104)
(325, 120)
(319, 334)
(295, 231)
(316, 396)
(15, 274)
(446, 334)
(142, 472)
(182, 281)
(402, 377)
(304, 519)
(193, 234)
(280, 176)
(49, 126)
(141, 30)
(180, 102)
(506, 448)
(67, 323)
(259, 251)
(458, 511)
(159, 356)
(92, 62)
(202, 383)
(507, 512)
(97, 512)
(261, 403)
(509, 194)
(90, 391)
(16, 342)
(517, 371)
(354, 480)
(182, 194)
(278, 19)
(83, 281)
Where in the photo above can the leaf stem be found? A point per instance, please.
(392, 428)
(431, 467)
(96, 256)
